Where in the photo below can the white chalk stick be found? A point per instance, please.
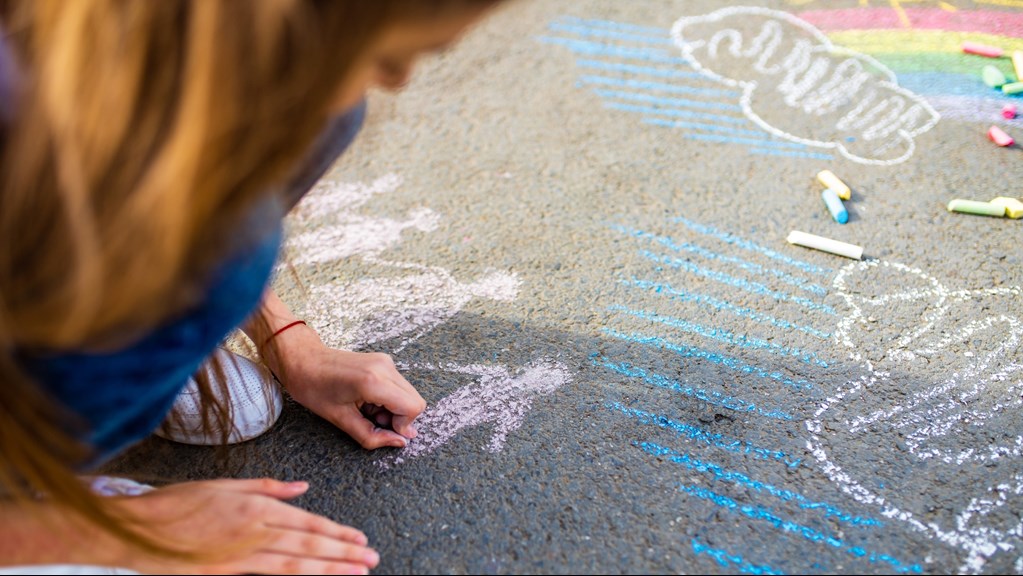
(825, 244)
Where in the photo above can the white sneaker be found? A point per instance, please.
(255, 403)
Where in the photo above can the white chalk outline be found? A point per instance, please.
(496, 398)
(749, 87)
(978, 542)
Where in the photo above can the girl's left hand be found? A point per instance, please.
(361, 393)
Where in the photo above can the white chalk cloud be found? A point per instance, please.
(798, 86)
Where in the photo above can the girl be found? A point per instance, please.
(148, 153)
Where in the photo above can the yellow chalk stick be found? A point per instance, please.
(1013, 207)
(829, 180)
(1017, 64)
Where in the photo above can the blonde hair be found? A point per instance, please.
(143, 129)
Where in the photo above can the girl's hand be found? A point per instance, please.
(361, 393)
(246, 527)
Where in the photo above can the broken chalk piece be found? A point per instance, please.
(1013, 207)
(829, 180)
(976, 207)
(835, 206)
(1009, 111)
(983, 50)
(998, 136)
(825, 244)
(993, 77)
(1013, 88)
(1017, 64)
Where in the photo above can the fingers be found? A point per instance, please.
(274, 563)
(396, 394)
(364, 431)
(313, 545)
(264, 487)
(404, 425)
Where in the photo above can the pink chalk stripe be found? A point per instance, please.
(980, 21)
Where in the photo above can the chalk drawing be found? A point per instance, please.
(633, 69)
(711, 397)
(719, 473)
(726, 560)
(849, 101)
(736, 282)
(934, 421)
(719, 304)
(403, 300)
(348, 233)
(922, 46)
(722, 335)
(365, 311)
(400, 302)
(497, 398)
(767, 515)
(699, 435)
(693, 352)
(739, 263)
(750, 246)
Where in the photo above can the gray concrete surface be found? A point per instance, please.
(629, 370)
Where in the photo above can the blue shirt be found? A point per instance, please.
(123, 395)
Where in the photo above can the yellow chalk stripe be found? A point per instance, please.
(894, 41)
(1013, 207)
(1017, 3)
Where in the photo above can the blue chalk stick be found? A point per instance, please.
(835, 206)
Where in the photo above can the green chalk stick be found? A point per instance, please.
(975, 207)
(1013, 88)
(994, 77)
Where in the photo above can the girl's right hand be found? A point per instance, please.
(246, 528)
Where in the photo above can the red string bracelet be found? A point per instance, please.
(282, 329)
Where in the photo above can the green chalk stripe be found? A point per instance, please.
(976, 207)
(1014, 88)
(993, 77)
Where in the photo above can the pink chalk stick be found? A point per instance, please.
(1009, 111)
(998, 136)
(983, 50)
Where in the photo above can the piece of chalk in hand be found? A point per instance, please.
(828, 179)
(998, 136)
(976, 207)
(835, 206)
(993, 77)
(983, 50)
(823, 244)
(1013, 207)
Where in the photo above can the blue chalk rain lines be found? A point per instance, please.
(638, 70)
(711, 321)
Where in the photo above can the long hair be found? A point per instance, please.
(142, 130)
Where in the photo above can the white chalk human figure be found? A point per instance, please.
(370, 310)
(496, 399)
(971, 390)
(400, 299)
(332, 229)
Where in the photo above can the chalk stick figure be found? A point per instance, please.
(496, 399)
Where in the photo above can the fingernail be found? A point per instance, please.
(372, 558)
(400, 443)
(298, 485)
